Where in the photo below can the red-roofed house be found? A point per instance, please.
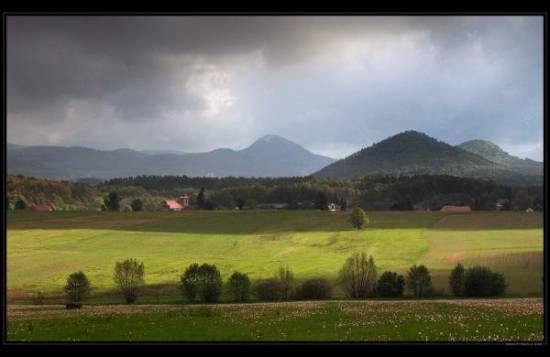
(177, 205)
(40, 208)
(456, 209)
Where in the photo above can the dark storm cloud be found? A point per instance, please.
(334, 84)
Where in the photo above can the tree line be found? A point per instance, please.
(202, 283)
(425, 192)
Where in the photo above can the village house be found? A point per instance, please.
(456, 209)
(40, 208)
(333, 207)
(177, 205)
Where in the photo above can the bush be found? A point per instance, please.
(358, 218)
(481, 281)
(391, 284)
(269, 289)
(112, 202)
(77, 287)
(137, 205)
(203, 282)
(358, 276)
(315, 289)
(129, 276)
(419, 280)
(238, 286)
(456, 280)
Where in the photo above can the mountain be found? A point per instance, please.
(494, 153)
(271, 156)
(414, 153)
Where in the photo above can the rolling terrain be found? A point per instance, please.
(43, 248)
(270, 155)
(413, 153)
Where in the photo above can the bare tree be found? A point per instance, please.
(287, 282)
(129, 278)
(358, 276)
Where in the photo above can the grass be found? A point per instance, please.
(502, 320)
(43, 248)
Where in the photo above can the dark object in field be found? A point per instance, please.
(73, 305)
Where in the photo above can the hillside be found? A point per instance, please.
(271, 156)
(414, 153)
(494, 153)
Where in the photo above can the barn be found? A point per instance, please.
(456, 209)
(177, 205)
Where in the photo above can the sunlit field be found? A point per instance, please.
(502, 320)
(43, 248)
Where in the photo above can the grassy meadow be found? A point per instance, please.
(43, 248)
(483, 320)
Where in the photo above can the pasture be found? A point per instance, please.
(491, 320)
(43, 248)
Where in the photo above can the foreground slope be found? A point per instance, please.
(502, 320)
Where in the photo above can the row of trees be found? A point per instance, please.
(358, 277)
(372, 193)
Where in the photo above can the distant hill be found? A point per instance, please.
(413, 153)
(271, 156)
(494, 153)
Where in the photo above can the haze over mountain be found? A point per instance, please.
(270, 155)
(415, 153)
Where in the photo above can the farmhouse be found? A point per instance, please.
(41, 208)
(177, 205)
(333, 207)
(456, 209)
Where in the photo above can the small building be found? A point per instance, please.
(40, 208)
(333, 207)
(456, 209)
(177, 205)
(529, 210)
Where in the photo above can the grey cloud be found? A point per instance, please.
(467, 77)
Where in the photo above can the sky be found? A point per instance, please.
(331, 84)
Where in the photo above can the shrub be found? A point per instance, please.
(286, 276)
(481, 281)
(358, 276)
(456, 280)
(269, 289)
(112, 202)
(203, 282)
(77, 287)
(20, 204)
(391, 284)
(137, 205)
(129, 276)
(238, 286)
(419, 280)
(358, 218)
(316, 289)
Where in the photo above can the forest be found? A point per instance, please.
(423, 192)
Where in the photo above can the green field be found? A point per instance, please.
(504, 320)
(43, 248)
